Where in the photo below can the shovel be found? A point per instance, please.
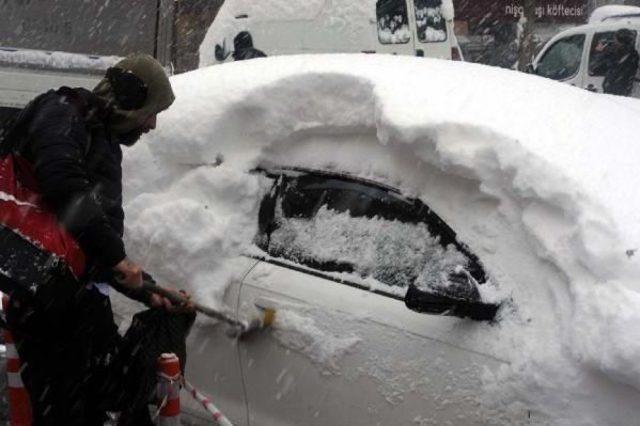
(241, 327)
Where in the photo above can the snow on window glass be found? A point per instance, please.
(393, 22)
(430, 23)
(390, 251)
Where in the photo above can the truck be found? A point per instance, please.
(571, 56)
(285, 27)
(46, 44)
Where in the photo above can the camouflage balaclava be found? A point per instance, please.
(159, 95)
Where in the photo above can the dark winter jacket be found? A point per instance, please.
(620, 64)
(243, 47)
(77, 164)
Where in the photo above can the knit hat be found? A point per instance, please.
(159, 95)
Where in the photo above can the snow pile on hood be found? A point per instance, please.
(539, 178)
(56, 60)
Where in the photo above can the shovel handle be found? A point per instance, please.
(178, 299)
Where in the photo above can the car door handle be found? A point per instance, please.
(264, 303)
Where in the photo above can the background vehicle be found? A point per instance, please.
(570, 56)
(278, 27)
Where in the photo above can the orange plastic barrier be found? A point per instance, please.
(168, 391)
(18, 397)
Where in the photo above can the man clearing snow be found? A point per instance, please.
(619, 62)
(63, 155)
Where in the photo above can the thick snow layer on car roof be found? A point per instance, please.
(585, 145)
(539, 178)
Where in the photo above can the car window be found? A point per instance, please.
(562, 59)
(393, 22)
(343, 225)
(430, 23)
(598, 66)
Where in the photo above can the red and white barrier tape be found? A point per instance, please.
(169, 380)
(218, 417)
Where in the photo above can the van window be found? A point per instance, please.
(334, 224)
(393, 22)
(431, 25)
(562, 60)
(597, 62)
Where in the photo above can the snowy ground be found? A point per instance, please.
(538, 177)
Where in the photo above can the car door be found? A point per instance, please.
(596, 71)
(563, 60)
(336, 255)
(212, 362)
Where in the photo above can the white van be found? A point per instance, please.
(284, 27)
(570, 56)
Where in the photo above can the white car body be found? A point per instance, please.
(281, 27)
(578, 44)
(520, 167)
(356, 337)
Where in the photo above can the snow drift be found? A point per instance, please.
(539, 178)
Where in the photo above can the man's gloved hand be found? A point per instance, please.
(128, 274)
(167, 298)
(158, 301)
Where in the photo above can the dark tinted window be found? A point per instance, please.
(430, 23)
(597, 62)
(393, 22)
(344, 225)
(305, 195)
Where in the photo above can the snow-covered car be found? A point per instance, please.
(350, 192)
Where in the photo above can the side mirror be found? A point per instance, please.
(459, 298)
(530, 69)
(221, 52)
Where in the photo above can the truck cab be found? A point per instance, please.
(570, 57)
